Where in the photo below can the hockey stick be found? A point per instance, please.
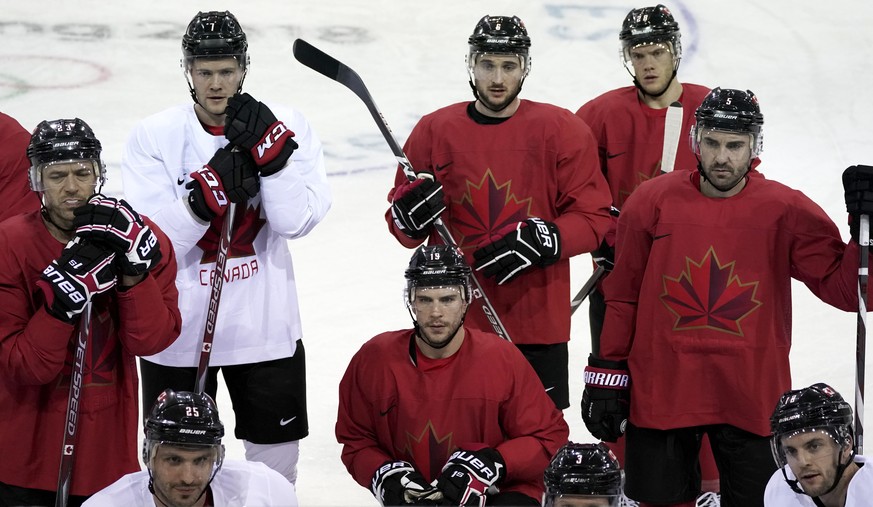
(672, 132)
(861, 350)
(214, 297)
(324, 64)
(71, 426)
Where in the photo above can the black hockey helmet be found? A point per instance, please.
(182, 417)
(583, 470)
(436, 266)
(729, 111)
(650, 25)
(61, 141)
(500, 34)
(816, 408)
(214, 33)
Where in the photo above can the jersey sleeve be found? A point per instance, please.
(298, 197)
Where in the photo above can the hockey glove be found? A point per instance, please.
(606, 399)
(68, 283)
(228, 176)
(858, 184)
(416, 205)
(399, 483)
(469, 476)
(604, 255)
(113, 223)
(251, 125)
(533, 242)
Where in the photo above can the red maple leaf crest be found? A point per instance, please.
(708, 295)
(428, 450)
(484, 209)
(246, 225)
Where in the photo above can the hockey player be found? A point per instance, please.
(699, 299)
(80, 247)
(813, 443)
(15, 194)
(184, 166)
(444, 412)
(185, 465)
(583, 475)
(518, 185)
(629, 125)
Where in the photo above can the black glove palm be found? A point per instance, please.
(606, 399)
(858, 185)
(68, 283)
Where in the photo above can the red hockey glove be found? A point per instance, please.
(399, 483)
(68, 283)
(533, 242)
(469, 476)
(416, 205)
(114, 224)
(251, 125)
(606, 398)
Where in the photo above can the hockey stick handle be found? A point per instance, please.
(71, 426)
(861, 349)
(672, 133)
(587, 289)
(328, 66)
(216, 285)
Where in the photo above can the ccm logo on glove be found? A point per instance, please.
(269, 138)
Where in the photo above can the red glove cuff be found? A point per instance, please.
(270, 146)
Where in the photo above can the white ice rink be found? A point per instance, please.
(113, 63)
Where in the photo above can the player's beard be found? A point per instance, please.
(482, 95)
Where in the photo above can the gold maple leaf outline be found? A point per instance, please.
(468, 208)
(731, 279)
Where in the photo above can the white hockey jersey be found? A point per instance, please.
(237, 484)
(780, 494)
(258, 318)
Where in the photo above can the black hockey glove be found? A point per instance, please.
(416, 205)
(229, 176)
(858, 184)
(533, 242)
(399, 483)
(68, 283)
(606, 399)
(251, 125)
(114, 224)
(469, 476)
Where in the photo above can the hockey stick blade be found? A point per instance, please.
(328, 66)
(586, 289)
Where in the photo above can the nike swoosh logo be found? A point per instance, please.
(441, 167)
(180, 180)
(661, 236)
(613, 155)
(284, 422)
(549, 388)
(385, 412)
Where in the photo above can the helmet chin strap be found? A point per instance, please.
(841, 469)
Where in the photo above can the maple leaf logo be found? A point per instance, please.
(708, 295)
(484, 209)
(246, 227)
(642, 177)
(428, 450)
